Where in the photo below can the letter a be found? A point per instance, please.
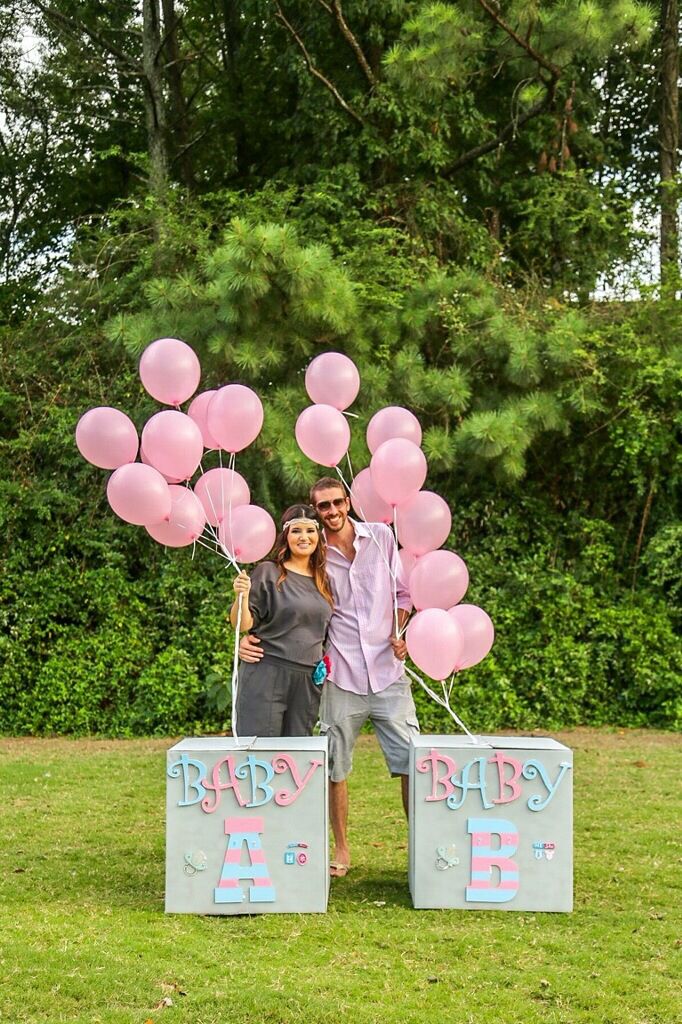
(240, 831)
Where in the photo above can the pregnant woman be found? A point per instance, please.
(287, 602)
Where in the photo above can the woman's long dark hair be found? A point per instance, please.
(318, 559)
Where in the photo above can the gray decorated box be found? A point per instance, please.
(491, 823)
(246, 826)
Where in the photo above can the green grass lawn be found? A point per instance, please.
(84, 938)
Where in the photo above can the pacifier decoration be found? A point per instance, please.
(194, 862)
(446, 857)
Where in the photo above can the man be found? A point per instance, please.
(366, 680)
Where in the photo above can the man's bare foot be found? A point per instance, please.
(340, 865)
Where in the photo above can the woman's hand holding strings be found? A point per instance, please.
(242, 584)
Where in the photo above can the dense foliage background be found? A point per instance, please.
(448, 192)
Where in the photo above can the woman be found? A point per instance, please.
(288, 603)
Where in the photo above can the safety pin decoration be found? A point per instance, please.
(446, 857)
(290, 857)
(544, 850)
(191, 867)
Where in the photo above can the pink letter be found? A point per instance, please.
(500, 760)
(431, 762)
(283, 762)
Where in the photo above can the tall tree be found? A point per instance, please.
(437, 116)
(669, 141)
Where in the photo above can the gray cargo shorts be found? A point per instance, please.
(391, 712)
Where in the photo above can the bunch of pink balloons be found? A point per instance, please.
(444, 636)
(171, 448)
(322, 432)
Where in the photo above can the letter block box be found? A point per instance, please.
(491, 823)
(246, 826)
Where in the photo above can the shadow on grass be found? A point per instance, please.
(134, 879)
(373, 887)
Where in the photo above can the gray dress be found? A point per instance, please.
(277, 697)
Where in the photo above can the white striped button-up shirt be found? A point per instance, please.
(363, 622)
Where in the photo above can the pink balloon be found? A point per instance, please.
(393, 421)
(198, 412)
(173, 444)
(249, 533)
(332, 379)
(106, 437)
(407, 563)
(234, 417)
(186, 521)
(168, 479)
(169, 371)
(366, 502)
(438, 580)
(423, 523)
(139, 494)
(220, 489)
(398, 470)
(323, 434)
(434, 642)
(478, 633)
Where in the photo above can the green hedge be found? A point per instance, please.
(98, 651)
(104, 632)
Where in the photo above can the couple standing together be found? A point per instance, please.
(329, 588)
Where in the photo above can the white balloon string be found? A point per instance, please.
(443, 701)
(208, 526)
(231, 464)
(214, 544)
(404, 628)
(222, 487)
(235, 669)
(207, 541)
(350, 466)
(355, 415)
(235, 678)
(217, 550)
(395, 575)
(371, 531)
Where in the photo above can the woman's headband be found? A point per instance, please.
(300, 521)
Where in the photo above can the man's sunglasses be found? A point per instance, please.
(324, 506)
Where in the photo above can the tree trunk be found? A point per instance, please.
(669, 140)
(233, 36)
(154, 100)
(179, 120)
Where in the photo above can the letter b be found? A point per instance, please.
(484, 858)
